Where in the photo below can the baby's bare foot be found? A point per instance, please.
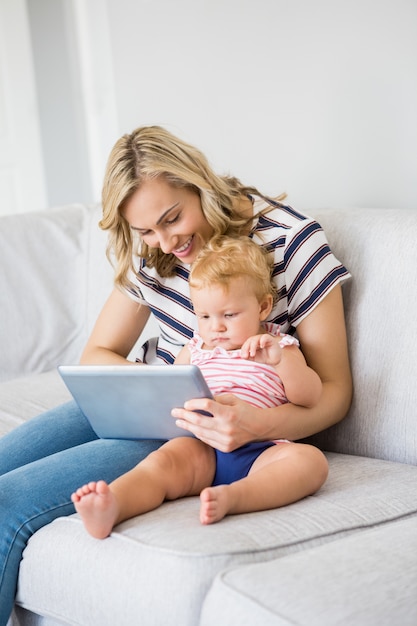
(214, 504)
(97, 507)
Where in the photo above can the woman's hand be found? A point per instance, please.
(231, 426)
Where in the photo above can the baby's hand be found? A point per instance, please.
(262, 348)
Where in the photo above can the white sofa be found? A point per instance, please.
(346, 555)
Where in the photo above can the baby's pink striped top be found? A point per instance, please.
(226, 372)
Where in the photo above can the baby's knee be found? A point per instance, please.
(172, 454)
(319, 465)
(311, 461)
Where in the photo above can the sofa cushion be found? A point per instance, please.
(23, 398)
(142, 568)
(369, 579)
(57, 281)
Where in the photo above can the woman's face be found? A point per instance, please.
(169, 218)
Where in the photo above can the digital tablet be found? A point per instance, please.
(134, 401)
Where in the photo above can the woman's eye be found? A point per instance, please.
(173, 220)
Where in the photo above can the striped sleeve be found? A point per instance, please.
(305, 269)
(311, 270)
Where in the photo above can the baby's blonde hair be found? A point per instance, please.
(224, 258)
(151, 152)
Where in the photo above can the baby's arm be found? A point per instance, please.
(183, 357)
(301, 383)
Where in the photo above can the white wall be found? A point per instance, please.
(22, 180)
(318, 99)
(75, 95)
(60, 103)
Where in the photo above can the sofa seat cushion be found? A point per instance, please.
(23, 398)
(148, 563)
(369, 579)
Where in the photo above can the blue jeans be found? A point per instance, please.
(41, 463)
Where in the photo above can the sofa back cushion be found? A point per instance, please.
(54, 278)
(379, 248)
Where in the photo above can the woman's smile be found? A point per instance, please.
(184, 249)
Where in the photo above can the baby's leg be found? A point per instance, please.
(282, 474)
(181, 467)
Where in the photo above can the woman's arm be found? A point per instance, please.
(322, 336)
(116, 331)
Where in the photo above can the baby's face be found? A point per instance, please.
(227, 316)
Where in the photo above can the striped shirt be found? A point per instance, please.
(305, 270)
(226, 371)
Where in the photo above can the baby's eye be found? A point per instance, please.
(229, 314)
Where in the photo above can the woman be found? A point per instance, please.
(162, 199)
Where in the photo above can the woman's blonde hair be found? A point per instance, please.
(223, 259)
(148, 153)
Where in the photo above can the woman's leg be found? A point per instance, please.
(181, 467)
(282, 474)
(58, 429)
(38, 491)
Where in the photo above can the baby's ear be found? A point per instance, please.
(265, 307)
